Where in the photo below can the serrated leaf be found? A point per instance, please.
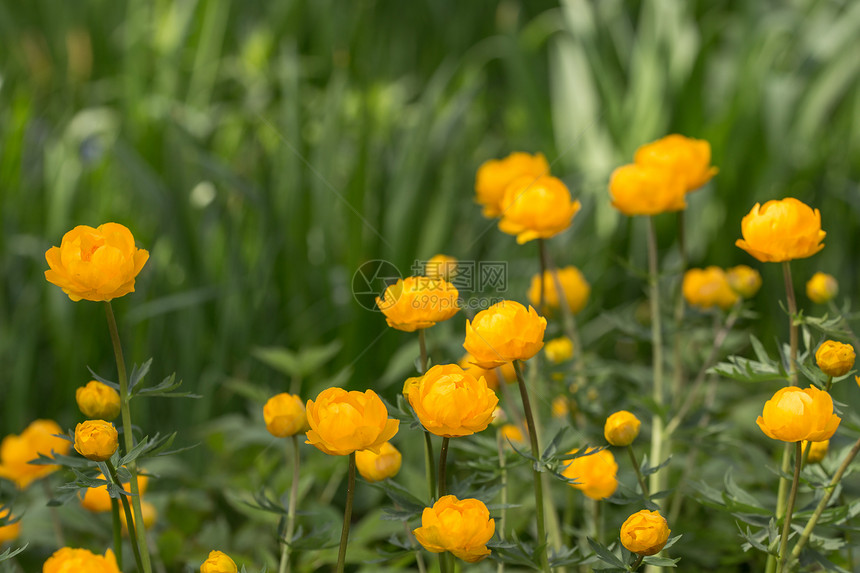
(165, 389)
(137, 374)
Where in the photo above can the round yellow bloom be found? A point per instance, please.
(96, 440)
(621, 428)
(344, 422)
(40, 437)
(576, 289)
(707, 288)
(744, 280)
(796, 414)
(505, 332)
(817, 451)
(835, 358)
(645, 532)
(10, 531)
(646, 190)
(595, 473)
(559, 349)
(218, 562)
(285, 415)
(495, 175)
(489, 374)
(462, 527)
(821, 288)
(97, 401)
(689, 158)
(67, 560)
(441, 267)
(452, 403)
(95, 264)
(537, 208)
(377, 467)
(560, 407)
(781, 230)
(150, 515)
(513, 433)
(97, 499)
(418, 302)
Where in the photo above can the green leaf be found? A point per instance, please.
(10, 553)
(605, 555)
(661, 561)
(164, 389)
(137, 374)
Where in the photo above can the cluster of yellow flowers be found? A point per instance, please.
(714, 287)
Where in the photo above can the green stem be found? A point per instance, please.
(129, 521)
(443, 465)
(429, 466)
(536, 453)
(677, 365)
(656, 480)
(347, 514)
(639, 476)
(503, 482)
(55, 517)
(786, 526)
(117, 532)
(636, 563)
(291, 510)
(128, 437)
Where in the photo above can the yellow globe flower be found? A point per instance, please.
(495, 175)
(744, 280)
(559, 349)
(344, 422)
(560, 407)
(781, 230)
(95, 264)
(646, 190)
(505, 332)
(835, 358)
(576, 289)
(66, 560)
(97, 499)
(418, 302)
(821, 288)
(595, 473)
(817, 451)
(796, 414)
(96, 440)
(462, 527)
(40, 437)
(98, 401)
(537, 208)
(472, 369)
(441, 267)
(707, 288)
(218, 562)
(284, 415)
(452, 403)
(687, 157)
(377, 467)
(9, 531)
(513, 433)
(621, 428)
(645, 532)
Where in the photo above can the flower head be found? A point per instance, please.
(285, 415)
(559, 349)
(66, 560)
(645, 532)
(795, 414)
(95, 264)
(781, 230)
(707, 288)
(576, 289)
(40, 437)
(418, 302)
(621, 428)
(835, 358)
(218, 562)
(98, 401)
(744, 280)
(96, 440)
(689, 158)
(344, 422)
(646, 190)
(462, 527)
(451, 403)
(495, 175)
(595, 473)
(537, 208)
(821, 288)
(560, 407)
(817, 451)
(441, 267)
(505, 332)
(377, 467)
(512, 433)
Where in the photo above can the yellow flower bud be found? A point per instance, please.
(576, 289)
(821, 288)
(495, 175)
(795, 414)
(537, 208)
(16, 452)
(689, 158)
(344, 422)
(9, 531)
(781, 230)
(96, 440)
(817, 451)
(559, 349)
(646, 190)
(645, 532)
(418, 302)
(707, 288)
(95, 264)
(595, 474)
(462, 527)
(218, 562)
(377, 467)
(504, 332)
(744, 280)
(97, 401)
(834, 358)
(68, 559)
(621, 428)
(285, 415)
(441, 267)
